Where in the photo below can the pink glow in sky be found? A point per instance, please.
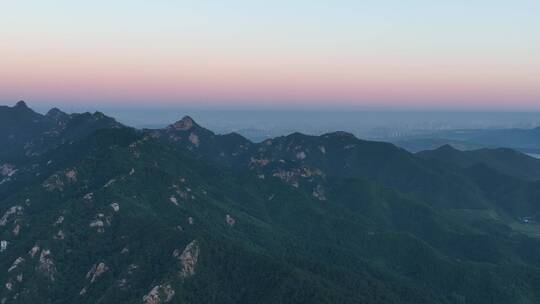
(250, 53)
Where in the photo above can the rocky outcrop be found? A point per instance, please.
(115, 206)
(13, 211)
(194, 139)
(100, 222)
(96, 271)
(16, 264)
(230, 220)
(301, 155)
(32, 253)
(188, 259)
(185, 124)
(60, 235)
(46, 265)
(59, 220)
(319, 193)
(159, 294)
(173, 200)
(7, 170)
(71, 175)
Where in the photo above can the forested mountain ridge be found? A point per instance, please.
(25, 134)
(110, 214)
(506, 160)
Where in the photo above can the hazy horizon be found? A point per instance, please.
(259, 124)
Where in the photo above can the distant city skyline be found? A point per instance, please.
(418, 54)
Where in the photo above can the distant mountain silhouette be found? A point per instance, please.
(525, 140)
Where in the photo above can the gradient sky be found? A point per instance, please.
(481, 54)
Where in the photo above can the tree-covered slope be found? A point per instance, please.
(505, 160)
(183, 215)
(25, 134)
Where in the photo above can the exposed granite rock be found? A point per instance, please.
(159, 294)
(96, 271)
(46, 265)
(188, 259)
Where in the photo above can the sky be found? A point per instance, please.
(387, 54)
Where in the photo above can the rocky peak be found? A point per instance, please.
(21, 105)
(185, 124)
(56, 114)
(22, 108)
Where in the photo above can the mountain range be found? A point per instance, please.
(93, 211)
(524, 140)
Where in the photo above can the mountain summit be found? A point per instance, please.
(57, 114)
(185, 124)
(21, 105)
(25, 133)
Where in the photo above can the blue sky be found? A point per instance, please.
(364, 53)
